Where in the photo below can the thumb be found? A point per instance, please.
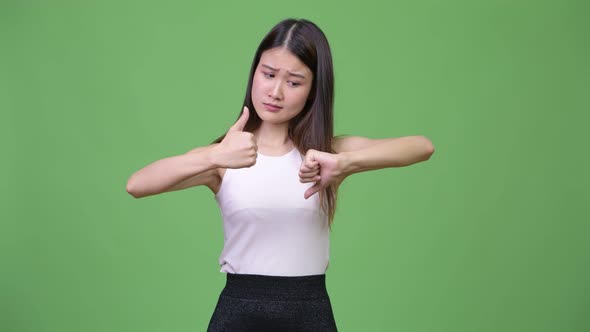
(312, 190)
(241, 123)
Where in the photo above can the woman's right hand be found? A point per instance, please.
(238, 148)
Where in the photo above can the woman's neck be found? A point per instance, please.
(273, 137)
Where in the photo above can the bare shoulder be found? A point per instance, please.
(345, 143)
(221, 172)
(214, 183)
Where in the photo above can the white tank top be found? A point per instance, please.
(268, 227)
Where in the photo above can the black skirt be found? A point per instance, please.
(252, 302)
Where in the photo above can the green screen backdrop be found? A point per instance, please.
(489, 235)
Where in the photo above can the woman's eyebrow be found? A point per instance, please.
(290, 73)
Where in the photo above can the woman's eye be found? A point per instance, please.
(271, 75)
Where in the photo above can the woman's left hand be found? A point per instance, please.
(323, 168)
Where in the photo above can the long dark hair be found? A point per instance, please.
(312, 128)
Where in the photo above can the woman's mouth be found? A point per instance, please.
(271, 107)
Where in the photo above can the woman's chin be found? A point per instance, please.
(268, 116)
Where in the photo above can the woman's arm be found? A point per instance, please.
(198, 166)
(359, 154)
(355, 154)
(350, 143)
(174, 173)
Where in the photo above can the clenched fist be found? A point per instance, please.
(238, 148)
(323, 168)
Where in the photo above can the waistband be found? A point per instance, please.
(256, 286)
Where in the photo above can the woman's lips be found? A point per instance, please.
(271, 107)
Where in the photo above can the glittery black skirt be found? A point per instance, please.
(252, 302)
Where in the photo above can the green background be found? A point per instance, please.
(491, 234)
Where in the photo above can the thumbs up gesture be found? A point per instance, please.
(238, 148)
(320, 167)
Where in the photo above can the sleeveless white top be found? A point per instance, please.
(269, 228)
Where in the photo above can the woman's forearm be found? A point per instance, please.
(396, 152)
(162, 174)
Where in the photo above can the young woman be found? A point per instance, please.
(275, 175)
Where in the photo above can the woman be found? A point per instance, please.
(265, 173)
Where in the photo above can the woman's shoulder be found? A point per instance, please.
(216, 184)
(221, 172)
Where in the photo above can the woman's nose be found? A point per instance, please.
(276, 92)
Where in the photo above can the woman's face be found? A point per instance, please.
(280, 85)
